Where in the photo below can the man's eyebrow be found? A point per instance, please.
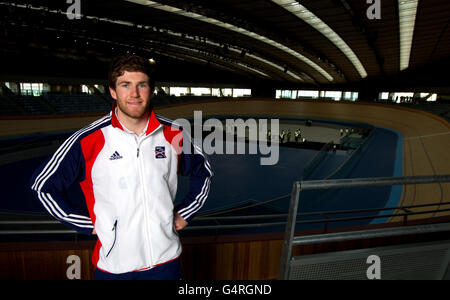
(124, 81)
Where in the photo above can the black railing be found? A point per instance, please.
(299, 186)
(220, 223)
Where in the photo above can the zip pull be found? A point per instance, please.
(115, 237)
(137, 152)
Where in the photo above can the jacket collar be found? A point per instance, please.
(152, 125)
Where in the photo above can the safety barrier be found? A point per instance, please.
(419, 261)
(289, 266)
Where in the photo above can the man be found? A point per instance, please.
(125, 168)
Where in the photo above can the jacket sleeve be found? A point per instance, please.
(55, 184)
(194, 163)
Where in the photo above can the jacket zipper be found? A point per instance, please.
(115, 236)
(141, 177)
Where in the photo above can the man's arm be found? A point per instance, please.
(195, 164)
(51, 182)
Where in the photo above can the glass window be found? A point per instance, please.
(308, 94)
(278, 94)
(14, 87)
(227, 92)
(347, 95)
(286, 94)
(384, 96)
(201, 91)
(335, 95)
(101, 88)
(429, 97)
(403, 97)
(85, 89)
(178, 91)
(294, 95)
(242, 92)
(31, 89)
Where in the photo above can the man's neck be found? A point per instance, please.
(133, 124)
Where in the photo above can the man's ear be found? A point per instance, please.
(113, 93)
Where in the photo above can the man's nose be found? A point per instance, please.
(135, 92)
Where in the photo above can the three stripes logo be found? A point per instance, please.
(115, 156)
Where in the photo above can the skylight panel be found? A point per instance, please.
(407, 10)
(307, 16)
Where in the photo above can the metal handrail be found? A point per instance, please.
(324, 221)
(336, 184)
(335, 212)
(371, 181)
(273, 216)
(369, 234)
(305, 185)
(325, 214)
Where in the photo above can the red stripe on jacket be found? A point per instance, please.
(174, 137)
(91, 147)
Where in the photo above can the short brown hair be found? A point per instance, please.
(130, 63)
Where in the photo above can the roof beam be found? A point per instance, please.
(237, 65)
(366, 32)
(240, 30)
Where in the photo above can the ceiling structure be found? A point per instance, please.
(310, 43)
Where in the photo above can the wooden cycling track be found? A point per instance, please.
(426, 137)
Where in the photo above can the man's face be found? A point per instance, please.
(132, 93)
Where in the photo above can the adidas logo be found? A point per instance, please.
(115, 156)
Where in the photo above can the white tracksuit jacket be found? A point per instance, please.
(107, 178)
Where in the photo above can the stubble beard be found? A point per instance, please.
(137, 115)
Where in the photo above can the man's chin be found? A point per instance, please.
(135, 113)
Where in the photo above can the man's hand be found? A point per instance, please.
(179, 222)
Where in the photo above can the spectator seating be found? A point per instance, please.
(7, 109)
(77, 103)
(32, 104)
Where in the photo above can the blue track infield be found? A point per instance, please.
(241, 180)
